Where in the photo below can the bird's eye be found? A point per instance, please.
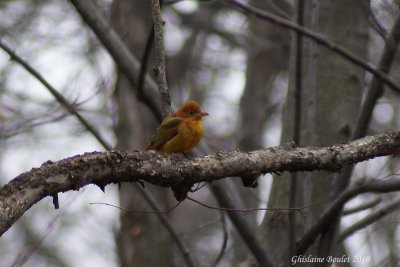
(191, 112)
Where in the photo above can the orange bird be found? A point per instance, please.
(181, 131)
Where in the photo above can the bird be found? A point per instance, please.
(181, 131)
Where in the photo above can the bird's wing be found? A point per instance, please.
(167, 130)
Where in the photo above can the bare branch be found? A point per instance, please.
(370, 219)
(385, 186)
(71, 109)
(375, 91)
(224, 240)
(364, 206)
(173, 170)
(165, 221)
(144, 62)
(319, 39)
(159, 68)
(59, 97)
(120, 53)
(250, 237)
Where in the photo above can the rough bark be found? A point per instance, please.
(172, 170)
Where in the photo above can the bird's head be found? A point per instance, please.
(191, 109)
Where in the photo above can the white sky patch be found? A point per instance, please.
(187, 7)
(4, 59)
(20, 159)
(231, 86)
(272, 136)
(265, 183)
(223, 107)
(174, 38)
(232, 22)
(383, 113)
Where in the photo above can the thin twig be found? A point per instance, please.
(124, 59)
(164, 220)
(131, 68)
(224, 240)
(161, 215)
(250, 237)
(319, 39)
(376, 25)
(144, 62)
(385, 186)
(247, 209)
(375, 91)
(364, 206)
(370, 219)
(277, 10)
(59, 97)
(71, 109)
(159, 68)
(24, 255)
(137, 211)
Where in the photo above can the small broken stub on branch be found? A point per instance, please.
(181, 191)
(101, 185)
(56, 204)
(156, 71)
(250, 180)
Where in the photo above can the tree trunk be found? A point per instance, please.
(267, 56)
(328, 92)
(142, 240)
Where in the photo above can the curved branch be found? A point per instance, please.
(183, 247)
(370, 219)
(319, 39)
(59, 97)
(124, 59)
(362, 207)
(72, 110)
(250, 237)
(325, 220)
(375, 91)
(172, 170)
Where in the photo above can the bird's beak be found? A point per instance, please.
(201, 115)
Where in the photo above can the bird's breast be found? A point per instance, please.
(191, 131)
(188, 136)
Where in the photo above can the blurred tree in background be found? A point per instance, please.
(262, 85)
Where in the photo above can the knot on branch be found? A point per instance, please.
(250, 180)
(181, 190)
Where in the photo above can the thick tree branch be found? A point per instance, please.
(71, 109)
(116, 166)
(159, 68)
